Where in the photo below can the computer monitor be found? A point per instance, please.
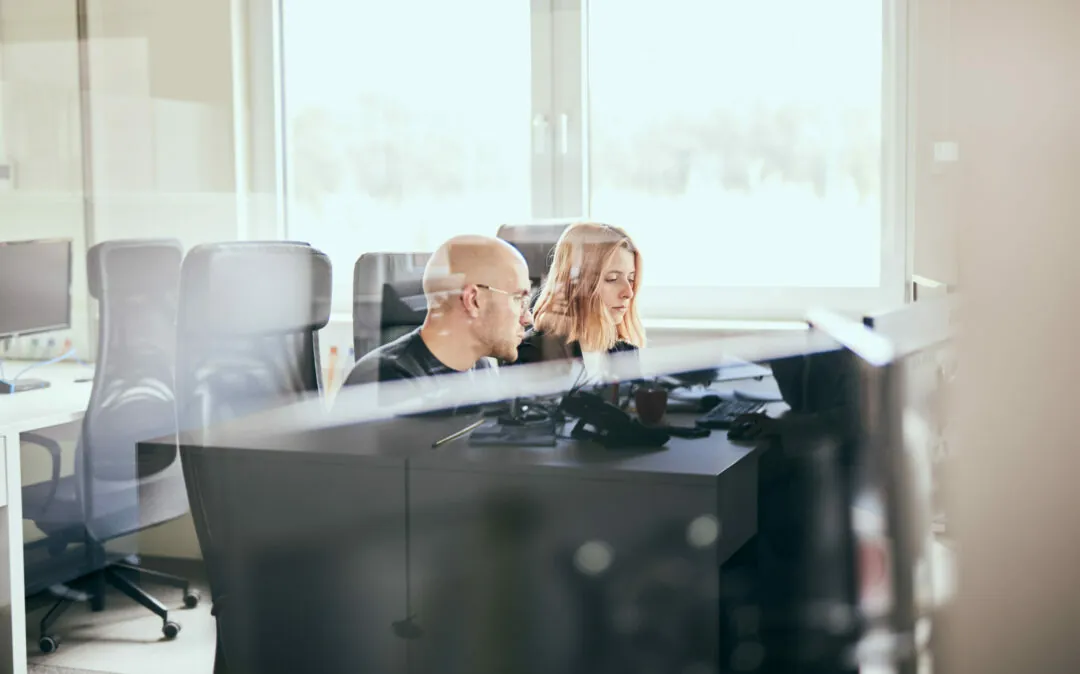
(35, 286)
(35, 293)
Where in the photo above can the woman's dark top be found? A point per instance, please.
(539, 346)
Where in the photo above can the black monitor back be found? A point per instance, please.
(816, 382)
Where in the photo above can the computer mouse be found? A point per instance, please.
(746, 427)
(740, 430)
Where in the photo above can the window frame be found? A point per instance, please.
(560, 180)
(780, 302)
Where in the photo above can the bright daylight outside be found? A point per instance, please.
(738, 140)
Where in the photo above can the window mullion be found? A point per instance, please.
(543, 111)
(569, 129)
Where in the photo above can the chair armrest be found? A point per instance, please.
(53, 447)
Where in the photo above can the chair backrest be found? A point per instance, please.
(536, 243)
(136, 283)
(248, 328)
(308, 570)
(388, 299)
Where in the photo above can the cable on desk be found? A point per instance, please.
(69, 354)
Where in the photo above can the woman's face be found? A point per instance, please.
(617, 284)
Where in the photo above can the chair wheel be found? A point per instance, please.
(48, 644)
(170, 630)
(191, 598)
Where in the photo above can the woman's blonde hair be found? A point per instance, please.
(569, 305)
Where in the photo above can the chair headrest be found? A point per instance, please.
(388, 291)
(372, 270)
(126, 265)
(403, 304)
(540, 232)
(254, 287)
(535, 243)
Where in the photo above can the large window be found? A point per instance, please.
(754, 148)
(407, 122)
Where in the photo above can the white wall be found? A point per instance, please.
(162, 120)
(39, 135)
(932, 123)
(165, 161)
(1015, 96)
(161, 112)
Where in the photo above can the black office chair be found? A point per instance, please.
(248, 341)
(536, 243)
(388, 298)
(115, 490)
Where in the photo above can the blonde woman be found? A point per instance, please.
(588, 305)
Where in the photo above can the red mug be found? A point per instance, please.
(651, 404)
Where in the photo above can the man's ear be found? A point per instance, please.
(470, 301)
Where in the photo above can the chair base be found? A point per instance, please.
(118, 576)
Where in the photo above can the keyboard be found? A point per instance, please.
(724, 414)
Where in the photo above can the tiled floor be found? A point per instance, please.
(125, 638)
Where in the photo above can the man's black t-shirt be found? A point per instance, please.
(405, 358)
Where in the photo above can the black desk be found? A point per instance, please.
(572, 558)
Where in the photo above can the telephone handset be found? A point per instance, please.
(610, 425)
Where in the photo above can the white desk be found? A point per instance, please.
(63, 402)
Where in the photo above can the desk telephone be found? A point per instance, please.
(611, 426)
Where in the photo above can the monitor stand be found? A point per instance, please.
(20, 385)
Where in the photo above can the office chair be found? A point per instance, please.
(536, 243)
(388, 298)
(247, 330)
(116, 490)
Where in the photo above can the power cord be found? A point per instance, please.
(11, 382)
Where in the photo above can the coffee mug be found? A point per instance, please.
(651, 404)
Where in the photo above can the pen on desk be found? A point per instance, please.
(457, 434)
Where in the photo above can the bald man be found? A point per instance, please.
(478, 294)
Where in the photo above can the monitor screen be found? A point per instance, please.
(35, 286)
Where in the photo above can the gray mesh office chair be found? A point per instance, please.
(388, 299)
(248, 341)
(116, 490)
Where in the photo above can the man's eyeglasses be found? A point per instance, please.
(521, 299)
